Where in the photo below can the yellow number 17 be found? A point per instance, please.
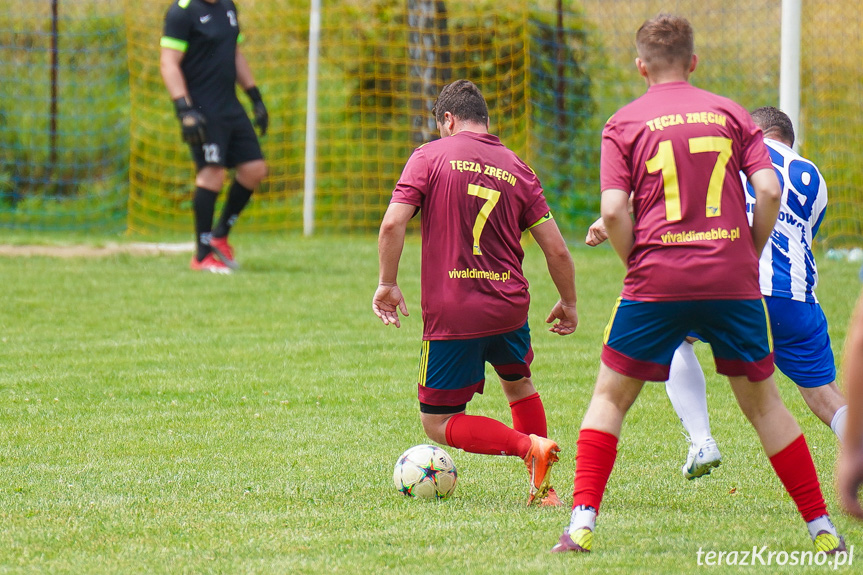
(664, 162)
(491, 197)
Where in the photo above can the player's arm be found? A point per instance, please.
(192, 122)
(388, 298)
(819, 209)
(562, 272)
(614, 207)
(172, 74)
(849, 473)
(768, 196)
(174, 43)
(245, 78)
(247, 82)
(596, 233)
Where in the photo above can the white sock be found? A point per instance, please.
(838, 422)
(687, 390)
(822, 523)
(582, 516)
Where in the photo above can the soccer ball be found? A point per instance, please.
(425, 471)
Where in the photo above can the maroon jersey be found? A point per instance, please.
(476, 197)
(680, 150)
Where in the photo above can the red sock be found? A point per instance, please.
(477, 434)
(796, 471)
(528, 416)
(594, 460)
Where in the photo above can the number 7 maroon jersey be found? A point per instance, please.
(476, 197)
(679, 150)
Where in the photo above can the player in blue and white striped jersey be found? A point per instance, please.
(788, 276)
(787, 267)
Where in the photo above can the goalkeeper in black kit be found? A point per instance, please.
(201, 65)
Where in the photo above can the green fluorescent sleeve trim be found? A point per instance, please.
(173, 44)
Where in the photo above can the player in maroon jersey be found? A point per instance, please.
(476, 197)
(692, 265)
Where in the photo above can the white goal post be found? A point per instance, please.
(789, 65)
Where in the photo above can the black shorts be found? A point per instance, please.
(231, 141)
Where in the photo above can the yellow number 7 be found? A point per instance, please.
(491, 197)
(664, 161)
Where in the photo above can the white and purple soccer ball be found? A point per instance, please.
(425, 471)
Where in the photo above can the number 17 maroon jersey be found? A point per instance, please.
(679, 150)
(476, 197)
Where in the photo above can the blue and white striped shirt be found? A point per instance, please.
(787, 267)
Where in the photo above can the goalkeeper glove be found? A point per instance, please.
(192, 122)
(262, 118)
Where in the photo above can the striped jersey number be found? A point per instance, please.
(491, 197)
(664, 162)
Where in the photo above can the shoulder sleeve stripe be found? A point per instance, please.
(173, 44)
(544, 218)
(183, 3)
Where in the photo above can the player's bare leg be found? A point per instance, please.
(762, 405)
(251, 174)
(211, 177)
(613, 395)
(518, 389)
(789, 455)
(434, 424)
(828, 404)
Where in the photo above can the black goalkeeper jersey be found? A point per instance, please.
(207, 34)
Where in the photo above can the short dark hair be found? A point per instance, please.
(774, 123)
(463, 100)
(665, 40)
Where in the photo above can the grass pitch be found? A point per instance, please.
(156, 420)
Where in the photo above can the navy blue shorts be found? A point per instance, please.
(801, 342)
(641, 337)
(453, 370)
